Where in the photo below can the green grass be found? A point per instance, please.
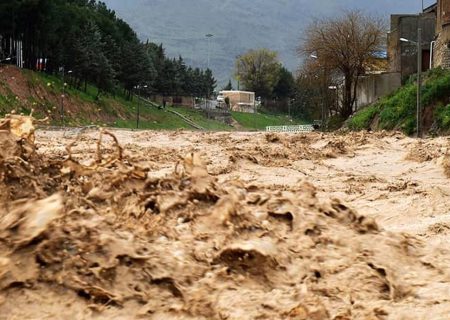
(153, 119)
(260, 121)
(363, 119)
(116, 111)
(199, 118)
(398, 110)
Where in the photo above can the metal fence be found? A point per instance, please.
(298, 128)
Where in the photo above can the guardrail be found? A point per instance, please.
(294, 129)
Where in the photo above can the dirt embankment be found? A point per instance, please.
(139, 225)
(25, 91)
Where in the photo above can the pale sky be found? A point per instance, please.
(239, 25)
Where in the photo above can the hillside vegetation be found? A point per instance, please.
(23, 91)
(398, 110)
(237, 26)
(87, 40)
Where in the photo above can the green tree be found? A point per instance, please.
(229, 86)
(285, 87)
(259, 71)
(85, 36)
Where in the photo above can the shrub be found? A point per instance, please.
(363, 119)
(442, 115)
(335, 122)
(398, 110)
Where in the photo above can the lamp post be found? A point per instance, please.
(209, 36)
(291, 101)
(316, 57)
(419, 79)
(63, 94)
(238, 73)
(138, 113)
(335, 88)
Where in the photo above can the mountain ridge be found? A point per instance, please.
(181, 25)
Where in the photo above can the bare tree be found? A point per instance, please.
(347, 44)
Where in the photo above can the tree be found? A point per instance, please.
(88, 38)
(285, 86)
(311, 93)
(228, 87)
(345, 44)
(136, 67)
(259, 71)
(209, 83)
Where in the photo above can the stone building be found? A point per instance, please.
(442, 45)
(402, 55)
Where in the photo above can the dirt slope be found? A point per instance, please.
(222, 226)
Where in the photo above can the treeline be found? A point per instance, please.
(87, 38)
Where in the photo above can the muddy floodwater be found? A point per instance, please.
(188, 225)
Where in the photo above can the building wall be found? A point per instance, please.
(403, 56)
(374, 86)
(442, 47)
(175, 101)
(241, 101)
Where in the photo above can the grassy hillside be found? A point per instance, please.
(23, 91)
(261, 121)
(398, 110)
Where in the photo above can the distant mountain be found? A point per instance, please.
(237, 25)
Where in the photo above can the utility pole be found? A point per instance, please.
(419, 83)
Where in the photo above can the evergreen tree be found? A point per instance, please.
(85, 36)
(229, 86)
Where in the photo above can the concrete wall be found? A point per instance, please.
(175, 101)
(241, 101)
(374, 86)
(403, 56)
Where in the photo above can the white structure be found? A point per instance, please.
(241, 101)
(294, 129)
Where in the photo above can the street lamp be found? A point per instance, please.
(291, 102)
(138, 114)
(419, 78)
(238, 59)
(209, 36)
(335, 88)
(63, 94)
(316, 57)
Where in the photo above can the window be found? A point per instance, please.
(445, 11)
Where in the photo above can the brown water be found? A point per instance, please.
(185, 225)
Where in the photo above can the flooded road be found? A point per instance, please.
(187, 225)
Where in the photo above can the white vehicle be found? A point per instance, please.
(220, 98)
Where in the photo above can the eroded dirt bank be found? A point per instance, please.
(222, 226)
